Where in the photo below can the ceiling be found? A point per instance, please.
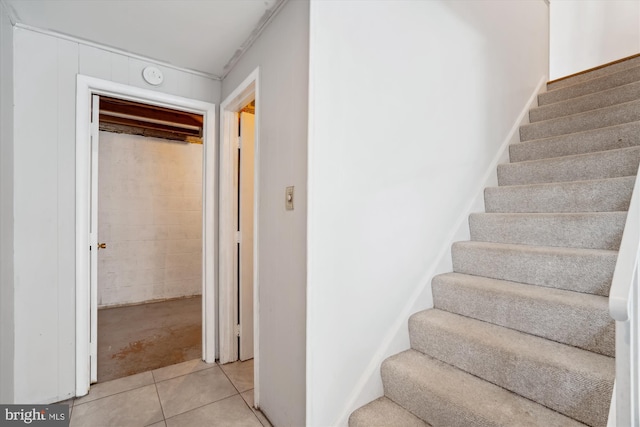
(202, 35)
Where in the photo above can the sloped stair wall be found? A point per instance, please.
(520, 332)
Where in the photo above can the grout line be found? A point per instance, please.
(184, 375)
(114, 394)
(164, 418)
(201, 406)
(227, 376)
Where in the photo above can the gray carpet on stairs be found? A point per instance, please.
(594, 119)
(552, 374)
(608, 138)
(574, 269)
(603, 195)
(597, 84)
(520, 332)
(383, 412)
(593, 74)
(443, 395)
(593, 101)
(589, 230)
(581, 167)
(538, 311)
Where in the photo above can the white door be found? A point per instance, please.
(93, 239)
(247, 133)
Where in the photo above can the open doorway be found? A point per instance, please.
(149, 257)
(87, 189)
(239, 234)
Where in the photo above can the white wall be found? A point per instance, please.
(150, 217)
(588, 33)
(45, 69)
(6, 208)
(281, 52)
(409, 104)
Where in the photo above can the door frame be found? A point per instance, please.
(86, 87)
(244, 93)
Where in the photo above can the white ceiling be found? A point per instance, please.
(201, 35)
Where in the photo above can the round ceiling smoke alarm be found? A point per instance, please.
(152, 75)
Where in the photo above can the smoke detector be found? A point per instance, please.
(152, 75)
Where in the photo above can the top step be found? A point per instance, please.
(610, 68)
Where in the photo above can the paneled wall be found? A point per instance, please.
(150, 218)
(45, 70)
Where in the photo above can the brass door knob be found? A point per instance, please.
(102, 246)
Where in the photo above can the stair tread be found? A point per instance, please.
(598, 195)
(537, 249)
(531, 309)
(597, 84)
(591, 230)
(447, 396)
(601, 164)
(550, 373)
(576, 269)
(587, 102)
(384, 412)
(594, 119)
(593, 140)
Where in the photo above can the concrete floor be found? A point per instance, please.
(145, 337)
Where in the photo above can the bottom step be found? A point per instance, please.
(446, 396)
(383, 412)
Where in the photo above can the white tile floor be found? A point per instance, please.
(187, 394)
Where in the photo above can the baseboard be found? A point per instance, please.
(369, 386)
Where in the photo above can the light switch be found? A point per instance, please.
(288, 198)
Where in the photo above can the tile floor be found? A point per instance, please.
(191, 393)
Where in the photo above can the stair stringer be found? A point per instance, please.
(369, 385)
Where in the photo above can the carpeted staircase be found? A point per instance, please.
(520, 332)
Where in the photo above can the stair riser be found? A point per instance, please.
(600, 165)
(591, 231)
(609, 138)
(610, 116)
(590, 86)
(594, 74)
(530, 309)
(589, 273)
(618, 95)
(529, 374)
(445, 396)
(598, 196)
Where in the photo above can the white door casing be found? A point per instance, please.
(247, 136)
(93, 233)
(86, 297)
(247, 91)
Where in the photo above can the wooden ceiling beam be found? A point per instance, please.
(105, 118)
(130, 108)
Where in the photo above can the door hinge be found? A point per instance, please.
(237, 330)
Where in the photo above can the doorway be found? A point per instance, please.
(239, 233)
(86, 224)
(149, 266)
